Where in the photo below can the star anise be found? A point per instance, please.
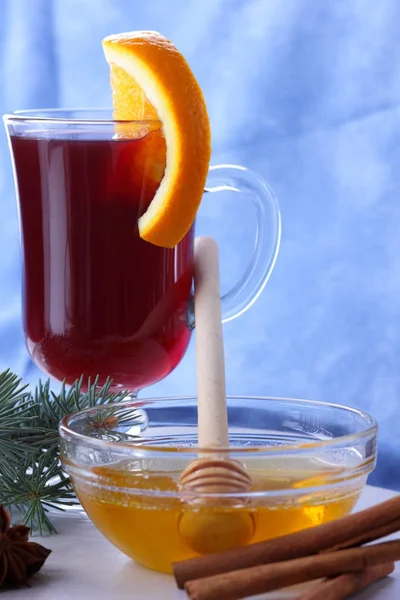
(19, 558)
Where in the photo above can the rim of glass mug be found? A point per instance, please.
(58, 115)
(224, 177)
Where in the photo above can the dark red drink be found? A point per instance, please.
(98, 300)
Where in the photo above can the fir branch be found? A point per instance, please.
(33, 485)
(31, 477)
(15, 414)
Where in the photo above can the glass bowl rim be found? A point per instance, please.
(33, 115)
(371, 427)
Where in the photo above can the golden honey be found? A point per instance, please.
(141, 512)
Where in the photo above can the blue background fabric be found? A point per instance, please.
(305, 92)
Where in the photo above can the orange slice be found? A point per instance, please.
(151, 79)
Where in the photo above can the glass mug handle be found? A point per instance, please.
(267, 239)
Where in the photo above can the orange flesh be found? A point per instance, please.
(150, 79)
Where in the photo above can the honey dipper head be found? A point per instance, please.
(212, 524)
(215, 475)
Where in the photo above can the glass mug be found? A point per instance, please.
(97, 299)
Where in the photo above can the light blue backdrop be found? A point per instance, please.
(307, 92)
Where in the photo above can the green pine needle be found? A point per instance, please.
(15, 413)
(31, 478)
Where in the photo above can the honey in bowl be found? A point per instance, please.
(143, 514)
(307, 461)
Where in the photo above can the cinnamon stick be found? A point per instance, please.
(368, 536)
(267, 578)
(310, 541)
(343, 586)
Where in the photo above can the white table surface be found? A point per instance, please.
(85, 566)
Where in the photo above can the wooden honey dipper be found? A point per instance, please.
(221, 527)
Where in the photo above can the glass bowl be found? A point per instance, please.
(308, 462)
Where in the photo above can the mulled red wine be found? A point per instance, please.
(98, 300)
